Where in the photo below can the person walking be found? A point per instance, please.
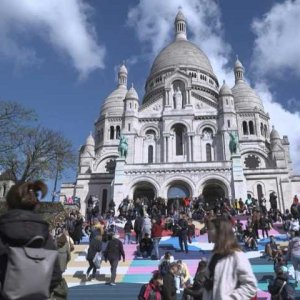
(183, 233)
(113, 253)
(127, 231)
(229, 273)
(95, 246)
(169, 287)
(294, 255)
(146, 228)
(156, 234)
(138, 224)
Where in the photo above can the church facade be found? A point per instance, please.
(179, 137)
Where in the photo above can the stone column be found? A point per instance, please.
(238, 178)
(188, 99)
(118, 188)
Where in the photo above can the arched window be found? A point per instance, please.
(179, 139)
(101, 135)
(228, 123)
(245, 128)
(208, 152)
(265, 131)
(251, 127)
(104, 201)
(118, 132)
(259, 191)
(150, 154)
(4, 190)
(112, 132)
(262, 129)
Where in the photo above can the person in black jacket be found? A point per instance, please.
(20, 224)
(113, 253)
(94, 247)
(183, 233)
(169, 288)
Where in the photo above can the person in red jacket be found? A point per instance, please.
(156, 234)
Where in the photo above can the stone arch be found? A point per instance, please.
(218, 179)
(182, 122)
(186, 80)
(144, 180)
(186, 181)
(151, 126)
(208, 124)
(98, 163)
(257, 152)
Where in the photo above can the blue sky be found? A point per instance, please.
(60, 57)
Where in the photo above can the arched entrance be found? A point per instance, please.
(145, 191)
(176, 193)
(214, 190)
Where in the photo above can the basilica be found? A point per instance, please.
(179, 137)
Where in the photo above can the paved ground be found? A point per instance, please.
(134, 272)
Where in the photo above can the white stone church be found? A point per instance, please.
(178, 137)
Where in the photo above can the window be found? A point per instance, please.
(150, 154)
(226, 101)
(245, 128)
(262, 129)
(130, 105)
(104, 201)
(101, 135)
(208, 152)
(112, 132)
(179, 130)
(228, 123)
(118, 132)
(259, 192)
(265, 131)
(4, 190)
(129, 126)
(251, 127)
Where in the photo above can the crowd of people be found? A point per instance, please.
(233, 228)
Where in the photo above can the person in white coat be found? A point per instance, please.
(229, 273)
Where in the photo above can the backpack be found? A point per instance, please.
(164, 267)
(29, 271)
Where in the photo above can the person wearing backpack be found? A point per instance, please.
(294, 254)
(152, 290)
(29, 268)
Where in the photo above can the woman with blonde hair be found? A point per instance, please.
(229, 273)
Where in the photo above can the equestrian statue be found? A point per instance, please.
(233, 143)
(123, 146)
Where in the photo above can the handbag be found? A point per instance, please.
(97, 260)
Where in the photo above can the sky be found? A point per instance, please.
(61, 57)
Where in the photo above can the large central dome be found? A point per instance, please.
(181, 53)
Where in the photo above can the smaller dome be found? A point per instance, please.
(113, 104)
(132, 94)
(245, 98)
(123, 69)
(90, 140)
(180, 16)
(225, 90)
(274, 135)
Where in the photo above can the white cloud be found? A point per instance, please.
(277, 43)
(285, 122)
(62, 23)
(154, 24)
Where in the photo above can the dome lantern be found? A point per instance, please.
(238, 70)
(180, 26)
(122, 75)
